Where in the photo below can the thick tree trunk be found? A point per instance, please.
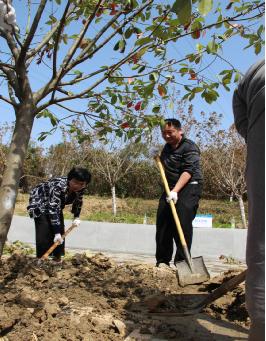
(12, 173)
(113, 200)
(242, 211)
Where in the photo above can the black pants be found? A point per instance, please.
(166, 231)
(45, 236)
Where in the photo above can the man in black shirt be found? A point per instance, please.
(181, 160)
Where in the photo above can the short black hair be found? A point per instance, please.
(173, 122)
(80, 174)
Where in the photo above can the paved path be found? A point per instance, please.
(215, 266)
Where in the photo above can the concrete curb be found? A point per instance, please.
(137, 238)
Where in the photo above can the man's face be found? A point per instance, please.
(76, 185)
(172, 135)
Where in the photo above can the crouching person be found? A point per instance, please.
(46, 204)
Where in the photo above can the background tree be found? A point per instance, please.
(226, 164)
(113, 163)
(115, 94)
(33, 168)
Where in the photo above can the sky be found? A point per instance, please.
(233, 51)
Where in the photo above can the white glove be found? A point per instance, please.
(58, 238)
(172, 196)
(76, 222)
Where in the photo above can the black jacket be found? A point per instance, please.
(185, 158)
(50, 198)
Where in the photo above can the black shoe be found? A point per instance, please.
(158, 264)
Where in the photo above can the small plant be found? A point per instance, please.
(229, 259)
(18, 246)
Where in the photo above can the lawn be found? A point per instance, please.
(134, 210)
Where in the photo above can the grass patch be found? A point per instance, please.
(133, 210)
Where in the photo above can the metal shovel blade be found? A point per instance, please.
(198, 274)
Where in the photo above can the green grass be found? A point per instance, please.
(133, 210)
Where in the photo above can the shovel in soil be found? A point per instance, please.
(213, 296)
(51, 249)
(190, 271)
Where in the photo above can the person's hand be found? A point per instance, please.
(172, 196)
(58, 238)
(76, 222)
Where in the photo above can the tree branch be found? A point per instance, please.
(33, 52)
(31, 34)
(78, 61)
(7, 100)
(63, 70)
(11, 42)
(79, 79)
(228, 19)
(59, 32)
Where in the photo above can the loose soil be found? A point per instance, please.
(94, 298)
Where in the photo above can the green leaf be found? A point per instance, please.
(205, 6)
(220, 18)
(128, 33)
(113, 99)
(153, 77)
(182, 8)
(122, 45)
(156, 109)
(143, 41)
(197, 89)
(116, 47)
(211, 47)
(257, 48)
(64, 37)
(53, 19)
(148, 90)
(237, 76)
(58, 2)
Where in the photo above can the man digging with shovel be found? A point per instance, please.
(181, 162)
(46, 204)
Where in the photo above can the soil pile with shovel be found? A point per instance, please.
(91, 298)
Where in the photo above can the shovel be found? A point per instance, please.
(213, 296)
(191, 271)
(51, 249)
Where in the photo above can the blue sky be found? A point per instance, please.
(233, 51)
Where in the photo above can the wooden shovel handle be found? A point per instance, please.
(223, 289)
(51, 249)
(167, 190)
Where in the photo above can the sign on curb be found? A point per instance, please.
(202, 220)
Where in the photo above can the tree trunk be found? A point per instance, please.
(242, 211)
(15, 158)
(113, 200)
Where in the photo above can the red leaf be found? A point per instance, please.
(135, 58)
(197, 34)
(99, 12)
(113, 10)
(186, 26)
(138, 105)
(193, 75)
(129, 105)
(125, 125)
(161, 90)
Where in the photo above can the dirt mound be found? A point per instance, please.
(94, 298)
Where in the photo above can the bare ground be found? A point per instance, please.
(93, 298)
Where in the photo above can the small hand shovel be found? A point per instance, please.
(191, 271)
(51, 249)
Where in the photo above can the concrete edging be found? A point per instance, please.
(137, 238)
